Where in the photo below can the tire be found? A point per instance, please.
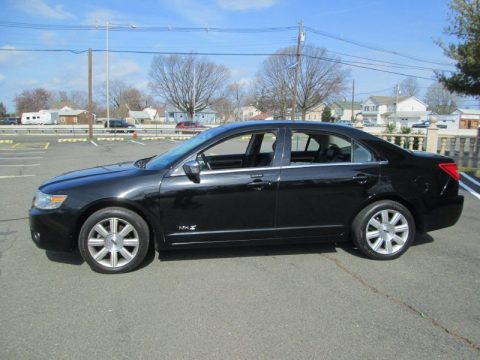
(114, 240)
(383, 230)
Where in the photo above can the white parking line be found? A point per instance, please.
(23, 153)
(471, 179)
(22, 158)
(137, 142)
(93, 143)
(470, 190)
(14, 176)
(22, 165)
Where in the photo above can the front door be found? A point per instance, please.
(235, 197)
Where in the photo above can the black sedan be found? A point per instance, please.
(425, 124)
(250, 183)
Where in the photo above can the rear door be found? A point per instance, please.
(321, 191)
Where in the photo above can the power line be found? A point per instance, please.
(347, 63)
(154, 28)
(371, 47)
(144, 28)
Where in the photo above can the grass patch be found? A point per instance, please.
(470, 171)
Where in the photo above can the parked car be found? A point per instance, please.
(8, 121)
(345, 123)
(426, 124)
(368, 123)
(189, 127)
(250, 183)
(119, 125)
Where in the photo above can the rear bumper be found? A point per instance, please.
(52, 229)
(446, 213)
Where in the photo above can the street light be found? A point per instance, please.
(108, 71)
(108, 79)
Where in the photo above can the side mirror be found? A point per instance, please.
(192, 170)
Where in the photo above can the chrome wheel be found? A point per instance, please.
(113, 242)
(387, 232)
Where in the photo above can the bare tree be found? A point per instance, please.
(33, 100)
(124, 97)
(440, 100)
(322, 79)
(172, 78)
(3, 110)
(229, 103)
(408, 87)
(74, 99)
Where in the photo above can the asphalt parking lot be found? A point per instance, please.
(288, 302)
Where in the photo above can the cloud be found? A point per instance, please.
(101, 16)
(50, 38)
(11, 58)
(2, 78)
(197, 12)
(244, 5)
(39, 8)
(122, 68)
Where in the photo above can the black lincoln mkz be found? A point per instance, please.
(250, 183)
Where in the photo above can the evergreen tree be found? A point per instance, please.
(465, 26)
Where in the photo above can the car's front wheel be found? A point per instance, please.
(114, 240)
(383, 230)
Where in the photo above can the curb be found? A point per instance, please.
(167, 137)
(72, 140)
(110, 139)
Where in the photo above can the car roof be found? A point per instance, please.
(314, 125)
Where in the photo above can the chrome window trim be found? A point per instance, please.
(253, 169)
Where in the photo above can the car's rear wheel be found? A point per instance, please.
(114, 240)
(383, 230)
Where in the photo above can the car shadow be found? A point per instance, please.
(349, 246)
(72, 257)
(245, 251)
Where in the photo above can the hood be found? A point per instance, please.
(105, 171)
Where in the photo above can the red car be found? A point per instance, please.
(189, 127)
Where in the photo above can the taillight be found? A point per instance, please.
(451, 169)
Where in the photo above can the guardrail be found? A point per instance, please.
(74, 130)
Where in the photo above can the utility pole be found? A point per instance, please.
(108, 77)
(301, 38)
(194, 91)
(396, 103)
(90, 115)
(353, 100)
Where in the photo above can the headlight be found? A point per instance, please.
(47, 202)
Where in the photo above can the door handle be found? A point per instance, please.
(361, 178)
(256, 176)
(259, 185)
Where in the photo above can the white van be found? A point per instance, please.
(40, 118)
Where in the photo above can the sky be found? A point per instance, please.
(404, 27)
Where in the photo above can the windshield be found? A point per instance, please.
(167, 158)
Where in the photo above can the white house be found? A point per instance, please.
(342, 110)
(382, 110)
(247, 112)
(155, 114)
(468, 118)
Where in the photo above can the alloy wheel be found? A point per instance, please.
(113, 242)
(387, 232)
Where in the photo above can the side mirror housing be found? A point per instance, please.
(192, 170)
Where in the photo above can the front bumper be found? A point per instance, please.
(52, 229)
(445, 213)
